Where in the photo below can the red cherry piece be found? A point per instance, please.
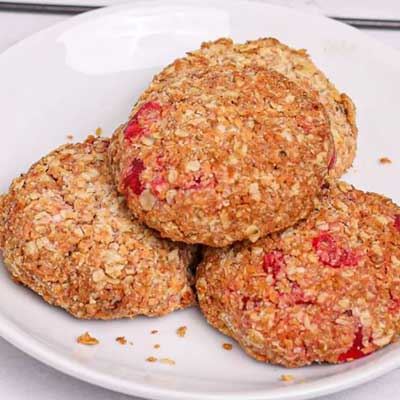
(200, 182)
(160, 162)
(245, 300)
(250, 303)
(332, 160)
(331, 254)
(138, 125)
(195, 183)
(273, 262)
(349, 258)
(148, 107)
(133, 129)
(327, 250)
(157, 185)
(298, 296)
(355, 350)
(305, 125)
(132, 178)
(394, 306)
(397, 222)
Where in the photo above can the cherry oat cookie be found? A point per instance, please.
(326, 290)
(219, 154)
(296, 65)
(67, 235)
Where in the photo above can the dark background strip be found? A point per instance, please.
(76, 9)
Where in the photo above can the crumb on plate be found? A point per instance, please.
(121, 340)
(167, 361)
(151, 359)
(87, 339)
(287, 378)
(385, 160)
(227, 346)
(181, 331)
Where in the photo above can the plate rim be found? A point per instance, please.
(323, 386)
(44, 354)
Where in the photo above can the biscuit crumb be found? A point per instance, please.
(98, 131)
(70, 136)
(131, 343)
(287, 378)
(154, 331)
(156, 346)
(87, 340)
(181, 331)
(121, 340)
(227, 346)
(151, 359)
(385, 160)
(167, 361)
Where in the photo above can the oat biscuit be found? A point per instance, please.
(219, 154)
(326, 290)
(67, 235)
(296, 65)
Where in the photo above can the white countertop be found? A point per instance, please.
(22, 377)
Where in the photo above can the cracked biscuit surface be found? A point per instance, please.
(219, 154)
(326, 290)
(66, 234)
(296, 65)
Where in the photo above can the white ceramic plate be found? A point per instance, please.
(87, 72)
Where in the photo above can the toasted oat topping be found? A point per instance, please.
(67, 234)
(243, 151)
(87, 339)
(325, 290)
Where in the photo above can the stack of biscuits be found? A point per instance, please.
(223, 184)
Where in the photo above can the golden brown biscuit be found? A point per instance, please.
(219, 154)
(326, 290)
(67, 235)
(296, 65)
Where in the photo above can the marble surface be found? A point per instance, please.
(22, 377)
